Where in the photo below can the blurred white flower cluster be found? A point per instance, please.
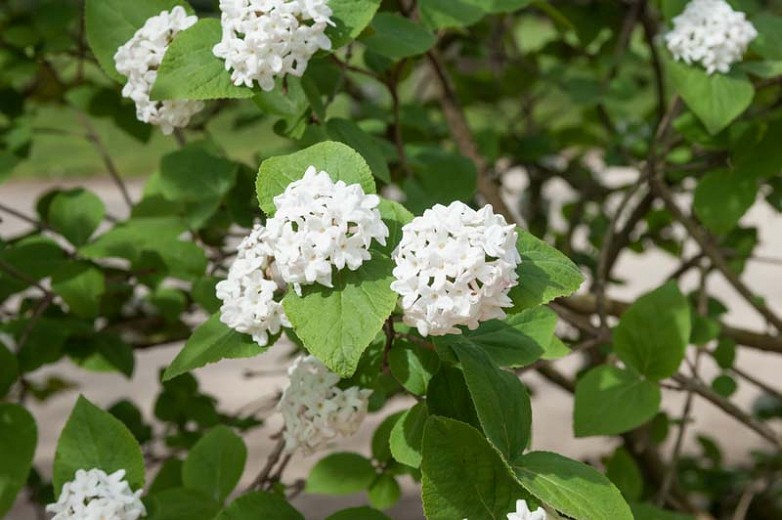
(711, 33)
(139, 60)
(94, 495)
(249, 291)
(318, 224)
(266, 39)
(455, 266)
(316, 410)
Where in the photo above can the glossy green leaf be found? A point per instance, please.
(407, 435)
(350, 17)
(215, 464)
(544, 273)
(211, 342)
(412, 366)
(190, 70)
(652, 334)
(337, 324)
(716, 99)
(194, 174)
(611, 400)
(93, 438)
(500, 399)
(571, 487)
(339, 160)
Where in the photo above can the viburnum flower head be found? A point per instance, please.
(252, 290)
(139, 60)
(455, 266)
(266, 39)
(320, 223)
(316, 410)
(94, 495)
(711, 33)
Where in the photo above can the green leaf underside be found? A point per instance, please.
(339, 160)
(337, 324)
(209, 343)
(93, 438)
(612, 400)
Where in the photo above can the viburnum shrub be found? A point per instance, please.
(387, 246)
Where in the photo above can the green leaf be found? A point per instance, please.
(396, 37)
(516, 341)
(611, 400)
(81, 286)
(652, 334)
(190, 70)
(18, 438)
(768, 44)
(671, 8)
(350, 17)
(504, 6)
(288, 100)
(9, 369)
(36, 257)
(337, 324)
(407, 435)
(111, 23)
(76, 214)
(716, 99)
(257, 505)
(724, 385)
(181, 504)
(722, 197)
(449, 396)
(358, 513)
(93, 438)
(441, 177)
(623, 471)
(443, 14)
(194, 174)
(339, 160)
(500, 399)
(412, 366)
(348, 132)
(211, 342)
(384, 491)
(215, 464)
(463, 475)
(544, 273)
(571, 487)
(341, 474)
(381, 451)
(650, 512)
(169, 476)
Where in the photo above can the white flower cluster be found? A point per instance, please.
(249, 291)
(266, 39)
(523, 512)
(455, 266)
(94, 495)
(139, 60)
(711, 33)
(320, 223)
(316, 410)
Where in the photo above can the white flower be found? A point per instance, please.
(94, 495)
(316, 410)
(320, 223)
(455, 266)
(249, 292)
(523, 512)
(139, 60)
(266, 39)
(711, 33)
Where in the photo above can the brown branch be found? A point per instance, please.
(273, 458)
(21, 216)
(488, 187)
(108, 162)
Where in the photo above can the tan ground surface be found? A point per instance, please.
(552, 408)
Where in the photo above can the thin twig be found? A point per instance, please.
(108, 162)
(274, 456)
(22, 216)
